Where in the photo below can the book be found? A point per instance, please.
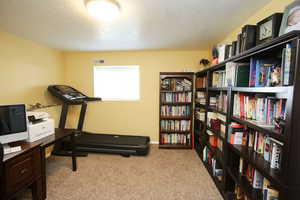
(234, 48)
(276, 153)
(242, 75)
(200, 82)
(268, 192)
(218, 78)
(221, 52)
(257, 180)
(252, 74)
(227, 51)
(266, 151)
(287, 71)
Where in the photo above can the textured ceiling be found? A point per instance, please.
(143, 24)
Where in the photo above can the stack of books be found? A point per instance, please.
(175, 125)
(176, 138)
(175, 111)
(201, 82)
(218, 79)
(200, 97)
(169, 97)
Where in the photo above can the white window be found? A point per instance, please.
(117, 83)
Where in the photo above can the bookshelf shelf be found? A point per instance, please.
(217, 153)
(201, 89)
(262, 89)
(170, 91)
(167, 131)
(265, 130)
(277, 42)
(175, 117)
(216, 181)
(260, 164)
(253, 194)
(217, 89)
(264, 103)
(210, 108)
(200, 105)
(175, 103)
(217, 133)
(174, 146)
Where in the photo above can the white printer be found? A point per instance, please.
(39, 125)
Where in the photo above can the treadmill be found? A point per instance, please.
(86, 142)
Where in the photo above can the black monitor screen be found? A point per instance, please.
(12, 119)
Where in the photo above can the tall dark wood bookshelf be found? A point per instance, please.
(286, 180)
(176, 110)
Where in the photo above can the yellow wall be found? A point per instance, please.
(141, 117)
(272, 7)
(27, 69)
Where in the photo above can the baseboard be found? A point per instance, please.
(154, 142)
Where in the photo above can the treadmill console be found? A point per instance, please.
(69, 95)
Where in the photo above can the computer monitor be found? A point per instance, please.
(13, 125)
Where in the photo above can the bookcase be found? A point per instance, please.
(176, 110)
(246, 121)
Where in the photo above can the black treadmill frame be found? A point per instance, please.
(82, 151)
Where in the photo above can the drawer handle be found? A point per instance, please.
(23, 171)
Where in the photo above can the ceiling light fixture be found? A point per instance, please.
(103, 9)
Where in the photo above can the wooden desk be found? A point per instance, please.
(21, 170)
(27, 168)
(59, 135)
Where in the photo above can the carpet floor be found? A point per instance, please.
(162, 175)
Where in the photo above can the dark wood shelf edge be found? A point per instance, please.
(269, 131)
(201, 89)
(217, 111)
(176, 103)
(174, 146)
(218, 89)
(282, 89)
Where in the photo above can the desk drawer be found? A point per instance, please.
(23, 170)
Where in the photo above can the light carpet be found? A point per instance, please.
(162, 175)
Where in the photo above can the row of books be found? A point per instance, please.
(261, 109)
(236, 74)
(214, 140)
(200, 114)
(200, 97)
(219, 102)
(175, 111)
(209, 158)
(267, 72)
(169, 97)
(259, 72)
(176, 138)
(268, 192)
(269, 148)
(219, 78)
(201, 82)
(175, 125)
(215, 116)
(176, 84)
(257, 180)
(212, 101)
